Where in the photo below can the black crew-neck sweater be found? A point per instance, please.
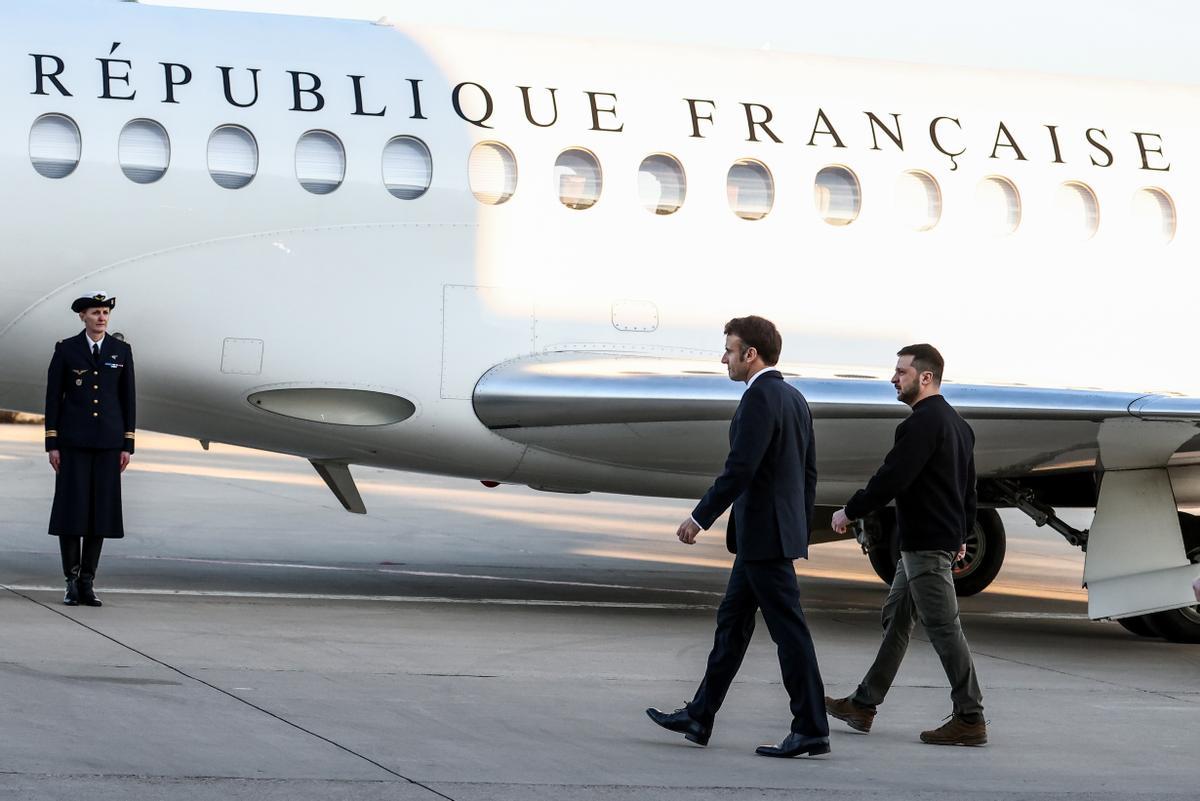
(930, 473)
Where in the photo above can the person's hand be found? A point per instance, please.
(687, 532)
(1196, 589)
(840, 522)
(962, 553)
(55, 460)
(125, 457)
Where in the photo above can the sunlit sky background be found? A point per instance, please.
(1145, 40)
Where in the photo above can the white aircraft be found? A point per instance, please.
(510, 258)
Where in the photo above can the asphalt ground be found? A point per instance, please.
(459, 642)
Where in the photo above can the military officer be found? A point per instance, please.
(89, 438)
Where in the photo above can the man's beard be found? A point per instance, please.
(908, 395)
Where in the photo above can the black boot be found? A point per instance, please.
(89, 561)
(72, 596)
(87, 596)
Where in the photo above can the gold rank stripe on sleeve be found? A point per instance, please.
(128, 435)
(51, 433)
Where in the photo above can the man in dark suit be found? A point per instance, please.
(89, 439)
(770, 478)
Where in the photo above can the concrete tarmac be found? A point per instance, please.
(492, 645)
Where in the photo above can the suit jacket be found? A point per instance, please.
(770, 475)
(90, 403)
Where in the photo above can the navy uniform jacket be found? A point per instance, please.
(89, 404)
(770, 475)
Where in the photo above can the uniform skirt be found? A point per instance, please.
(87, 494)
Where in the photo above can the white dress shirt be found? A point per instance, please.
(100, 343)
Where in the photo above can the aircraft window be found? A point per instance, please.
(144, 151)
(1154, 214)
(1078, 210)
(918, 200)
(750, 189)
(232, 157)
(998, 205)
(407, 167)
(492, 173)
(661, 184)
(320, 162)
(54, 145)
(837, 195)
(577, 176)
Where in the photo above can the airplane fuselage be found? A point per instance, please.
(229, 293)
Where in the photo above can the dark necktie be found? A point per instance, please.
(95, 352)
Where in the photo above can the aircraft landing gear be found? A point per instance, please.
(986, 545)
(1175, 625)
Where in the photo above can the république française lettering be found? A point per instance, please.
(476, 104)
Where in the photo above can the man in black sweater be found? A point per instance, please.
(930, 473)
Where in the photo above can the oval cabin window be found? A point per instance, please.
(232, 157)
(54, 145)
(997, 206)
(492, 173)
(661, 184)
(577, 178)
(750, 189)
(1077, 210)
(1154, 215)
(407, 167)
(320, 162)
(918, 201)
(144, 151)
(837, 196)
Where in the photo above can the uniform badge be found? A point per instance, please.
(79, 372)
(79, 382)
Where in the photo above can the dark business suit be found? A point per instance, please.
(770, 478)
(89, 421)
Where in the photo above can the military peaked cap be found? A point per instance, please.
(93, 301)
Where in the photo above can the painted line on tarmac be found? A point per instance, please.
(233, 695)
(533, 602)
(395, 599)
(429, 574)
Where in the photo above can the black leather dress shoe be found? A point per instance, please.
(682, 722)
(87, 596)
(795, 744)
(72, 596)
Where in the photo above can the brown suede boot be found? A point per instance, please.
(956, 731)
(853, 715)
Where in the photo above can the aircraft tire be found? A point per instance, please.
(1177, 625)
(986, 545)
(1138, 625)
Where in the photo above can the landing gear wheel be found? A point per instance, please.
(1177, 625)
(1138, 625)
(986, 545)
(985, 552)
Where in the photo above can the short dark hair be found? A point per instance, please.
(758, 333)
(926, 359)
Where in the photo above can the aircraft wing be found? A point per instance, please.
(664, 414)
